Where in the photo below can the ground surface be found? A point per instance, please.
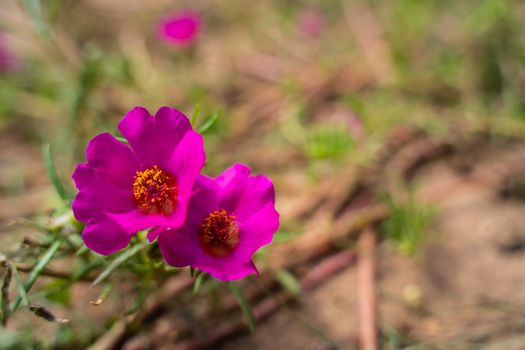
(469, 275)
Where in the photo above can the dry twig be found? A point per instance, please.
(366, 297)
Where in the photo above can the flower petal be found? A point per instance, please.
(104, 236)
(134, 221)
(98, 193)
(153, 139)
(105, 182)
(256, 232)
(178, 248)
(243, 194)
(113, 158)
(204, 199)
(179, 29)
(154, 233)
(225, 268)
(185, 164)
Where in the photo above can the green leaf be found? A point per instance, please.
(138, 301)
(210, 122)
(285, 236)
(37, 270)
(58, 292)
(84, 268)
(51, 171)
(328, 142)
(88, 77)
(34, 8)
(121, 139)
(289, 282)
(122, 258)
(407, 224)
(20, 286)
(245, 307)
(198, 282)
(195, 114)
(82, 250)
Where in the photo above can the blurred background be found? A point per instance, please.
(401, 119)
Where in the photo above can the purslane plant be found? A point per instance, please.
(214, 225)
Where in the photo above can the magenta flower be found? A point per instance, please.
(311, 22)
(180, 29)
(7, 60)
(229, 219)
(124, 189)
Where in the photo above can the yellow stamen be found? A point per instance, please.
(219, 233)
(155, 191)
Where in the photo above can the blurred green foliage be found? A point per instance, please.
(407, 224)
(450, 60)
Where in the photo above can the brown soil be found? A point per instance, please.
(464, 291)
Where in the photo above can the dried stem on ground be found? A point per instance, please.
(270, 305)
(51, 272)
(308, 247)
(366, 293)
(112, 338)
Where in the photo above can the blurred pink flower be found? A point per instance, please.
(180, 29)
(311, 22)
(7, 59)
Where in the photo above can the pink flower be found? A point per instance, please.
(180, 29)
(127, 188)
(311, 22)
(229, 219)
(7, 60)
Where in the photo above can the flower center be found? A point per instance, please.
(219, 233)
(155, 191)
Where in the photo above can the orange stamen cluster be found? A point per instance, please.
(219, 233)
(155, 191)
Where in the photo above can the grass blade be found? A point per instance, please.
(195, 114)
(51, 170)
(122, 258)
(34, 8)
(42, 262)
(138, 301)
(289, 282)
(245, 307)
(20, 286)
(121, 139)
(210, 122)
(198, 282)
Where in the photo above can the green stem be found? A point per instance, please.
(31, 279)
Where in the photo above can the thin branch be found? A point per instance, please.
(366, 291)
(50, 272)
(268, 306)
